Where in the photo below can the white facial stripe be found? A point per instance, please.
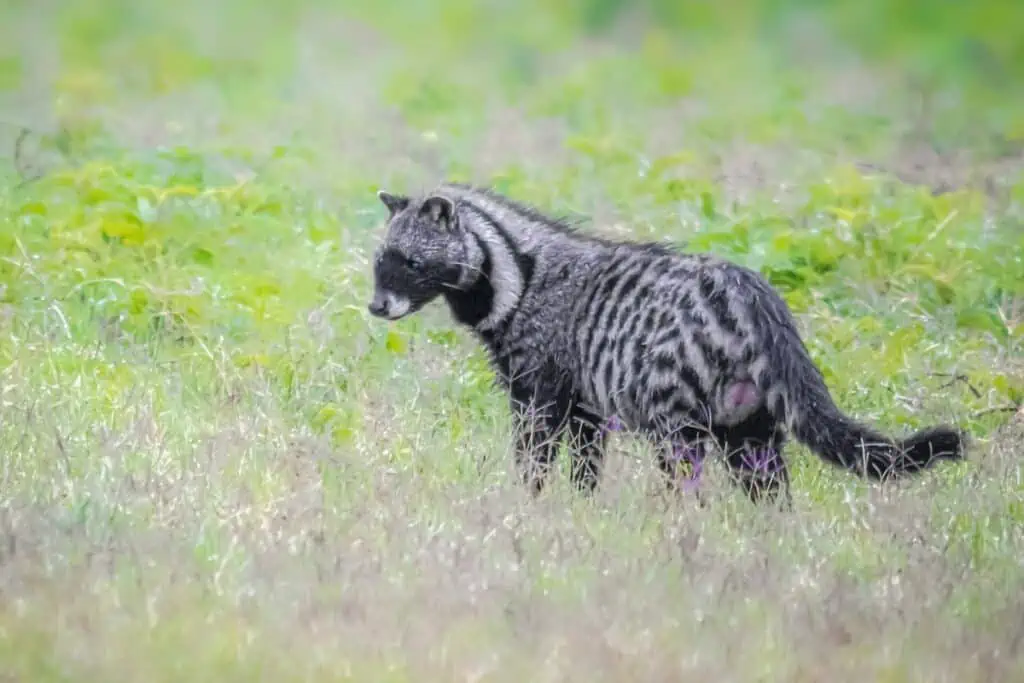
(506, 279)
(474, 258)
(397, 305)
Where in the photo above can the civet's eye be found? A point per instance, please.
(414, 263)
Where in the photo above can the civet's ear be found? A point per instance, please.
(394, 202)
(439, 209)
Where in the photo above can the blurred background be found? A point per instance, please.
(759, 129)
(387, 90)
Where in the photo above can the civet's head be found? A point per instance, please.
(422, 255)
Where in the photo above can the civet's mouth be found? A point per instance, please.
(389, 305)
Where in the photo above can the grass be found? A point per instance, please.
(216, 466)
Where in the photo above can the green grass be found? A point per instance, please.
(216, 466)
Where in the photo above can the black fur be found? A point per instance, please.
(583, 330)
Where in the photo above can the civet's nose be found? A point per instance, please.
(379, 306)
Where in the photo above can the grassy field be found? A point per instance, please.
(217, 467)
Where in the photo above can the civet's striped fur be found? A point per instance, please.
(687, 349)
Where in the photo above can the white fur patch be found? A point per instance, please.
(398, 306)
(506, 279)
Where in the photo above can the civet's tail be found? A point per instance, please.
(799, 397)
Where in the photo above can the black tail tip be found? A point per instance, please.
(929, 446)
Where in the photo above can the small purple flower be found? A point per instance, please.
(763, 460)
(694, 457)
(614, 424)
